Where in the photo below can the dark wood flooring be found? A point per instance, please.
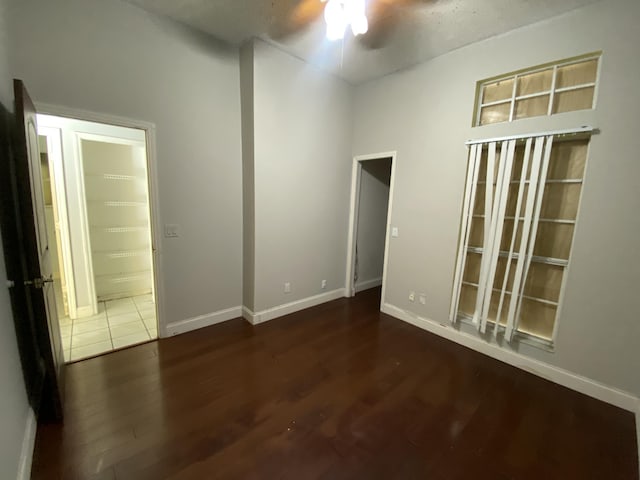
(339, 391)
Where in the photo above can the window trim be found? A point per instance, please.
(515, 75)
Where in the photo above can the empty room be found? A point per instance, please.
(319, 239)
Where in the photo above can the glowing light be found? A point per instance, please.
(359, 25)
(335, 18)
(335, 32)
(338, 14)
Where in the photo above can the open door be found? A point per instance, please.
(34, 258)
(363, 275)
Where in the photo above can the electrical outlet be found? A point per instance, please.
(412, 296)
(394, 232)
(287, 287)
(323, 284)
(171, 230)
(423, 298)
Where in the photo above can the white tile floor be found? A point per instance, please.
(119, 323)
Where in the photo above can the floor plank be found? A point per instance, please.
(338, 391)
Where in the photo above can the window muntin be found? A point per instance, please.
(563, 87)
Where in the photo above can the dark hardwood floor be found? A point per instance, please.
(338, 391)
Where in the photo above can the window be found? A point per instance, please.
(519, 212)
(563, 87)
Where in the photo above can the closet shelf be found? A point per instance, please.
(117, 204)
(116, 193)
(544, 220)
(535, 258)
(507, 292)
(547, 181)
(113, 176)
(527, 336)
(115, 229)
(124, 253)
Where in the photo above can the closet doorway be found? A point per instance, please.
(369, 222)
(98, 204)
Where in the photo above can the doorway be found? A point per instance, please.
(97, 197)
(369, 222)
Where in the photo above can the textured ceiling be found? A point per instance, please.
(426, 31)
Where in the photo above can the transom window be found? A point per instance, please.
(565, 86)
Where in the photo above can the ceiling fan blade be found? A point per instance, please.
(384, 16)
(292, 16)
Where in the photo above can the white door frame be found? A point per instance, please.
(54, 154)
(152, 172)
(354, 210)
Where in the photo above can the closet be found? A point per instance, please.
(117, 205)
(518, 219)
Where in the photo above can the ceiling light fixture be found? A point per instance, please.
(338, 14)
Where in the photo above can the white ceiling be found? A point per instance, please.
(435, 28)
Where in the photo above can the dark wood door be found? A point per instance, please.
(34, 256)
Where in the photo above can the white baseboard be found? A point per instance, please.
(581, 384)
(269, 314)
(83, 312)
(638, 429)
(28, 444)
(249, 315)
(183, 326)
(367, 284)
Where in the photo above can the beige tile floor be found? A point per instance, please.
(119, 323)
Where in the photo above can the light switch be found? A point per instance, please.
(394, 232)
(171, 230)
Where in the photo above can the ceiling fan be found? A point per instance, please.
(370, 21)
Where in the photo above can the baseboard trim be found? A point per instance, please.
(28, 444)
(201, 321)
(613, 396)
(256, 318)
(638, 430)
(249, 315)
(367, 284)
(83, 312)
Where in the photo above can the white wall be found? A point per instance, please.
(6, 85)
(302, 135)
(14, 407)
(113, 58)
(372, 219)
(248, 176)
(425, 114)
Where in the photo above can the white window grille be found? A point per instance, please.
(565, 86)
